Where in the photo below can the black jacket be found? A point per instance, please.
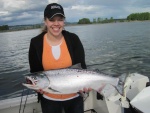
(74, 45)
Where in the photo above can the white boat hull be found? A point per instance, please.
(142, 100)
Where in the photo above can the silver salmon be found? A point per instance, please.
(66, 81)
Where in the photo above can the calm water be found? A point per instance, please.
(112, 48)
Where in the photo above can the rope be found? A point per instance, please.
(25, 101)
(21, 101)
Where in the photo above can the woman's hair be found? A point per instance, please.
(44, 28)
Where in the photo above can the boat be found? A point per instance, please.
(137, 90)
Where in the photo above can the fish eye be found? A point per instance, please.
(33, 77)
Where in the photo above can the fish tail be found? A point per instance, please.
(120, 87)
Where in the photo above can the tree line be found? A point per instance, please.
(98, 20)
(139, 16)
(19, 27)
(131, 17)
(4, 27)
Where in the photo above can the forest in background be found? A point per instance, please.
(132, 17)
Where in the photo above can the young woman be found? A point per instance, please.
(56, 48)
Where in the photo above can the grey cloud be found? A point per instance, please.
(28, 11)
(31, 11)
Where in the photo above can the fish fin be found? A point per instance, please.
(101, 88)
(34, 74)
(76, 66)
(108, 91)
(29, 74)
(120, 87)
(53, 90)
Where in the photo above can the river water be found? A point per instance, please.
(113, 48)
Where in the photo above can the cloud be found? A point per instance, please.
(21, 11)
(13, 6)
(31, 11)
(83, 8)
(4, 13)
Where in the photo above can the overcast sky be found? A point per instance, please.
(20, 12)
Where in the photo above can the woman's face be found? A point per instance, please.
(55, 25)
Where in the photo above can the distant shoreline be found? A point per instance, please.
(67, 25)
(18, 30)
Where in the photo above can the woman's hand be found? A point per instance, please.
(41, 91)
(86, 90)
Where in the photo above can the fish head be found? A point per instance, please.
(37, 81)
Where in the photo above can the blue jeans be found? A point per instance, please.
(70, 106)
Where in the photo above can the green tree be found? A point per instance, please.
(111, 19)
(4, 27)
(94, 20)
(99, 20)
(84, 21)
(139, 16)
(105, 20)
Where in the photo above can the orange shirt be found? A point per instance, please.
(49, 62)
